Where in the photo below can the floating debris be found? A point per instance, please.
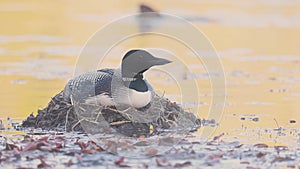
(255, 119)
(74, 149)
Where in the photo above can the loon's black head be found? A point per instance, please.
(136, 62)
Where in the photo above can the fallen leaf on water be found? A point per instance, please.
(42, 143)
(239, 146)
(213, 159)
(162, 162)
(45, 148)
(88, 148)
(291, 166)
(111, 147)
(210, 149)
(91, 142)
(260, 154)
(120, 162)
(35, 145)
(98, 148)
(45, 138)
(218, 137)
(151, 151)
(145, 165)
(3, 159)
(69, 163)
(43, 164)
(184, 141)
(180, 165)
(78, 156)
(195, 142)
(215, 156)
(244, 162)
(88, 151)
(142, 137)
(17, 153)
(142, 143)
(9, 146)
(81, 144)
(60, 138)
(249, 167)
(190, 136)
(281, 159)
(126, 146)
(30, 146)
(58, 145)
(91, 145)
(167, 141)
(260, 145)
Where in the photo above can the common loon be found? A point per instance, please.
(110, 87)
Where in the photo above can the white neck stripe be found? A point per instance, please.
(129, 79)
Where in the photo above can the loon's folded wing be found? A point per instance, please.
(89, 84)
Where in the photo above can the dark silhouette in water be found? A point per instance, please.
(147, 9)
(148, 18)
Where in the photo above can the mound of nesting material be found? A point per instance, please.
(162, 115)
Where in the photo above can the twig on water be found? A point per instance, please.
(276, 124)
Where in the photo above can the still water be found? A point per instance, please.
(257, 43)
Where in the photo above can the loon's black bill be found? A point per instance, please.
(160, 61)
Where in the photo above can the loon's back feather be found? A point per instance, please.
(89, 84)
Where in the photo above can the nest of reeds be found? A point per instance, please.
(160, 116)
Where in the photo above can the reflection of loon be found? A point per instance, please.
(116, 86)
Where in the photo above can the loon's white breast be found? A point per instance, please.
(133, 98)
(139, 99)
